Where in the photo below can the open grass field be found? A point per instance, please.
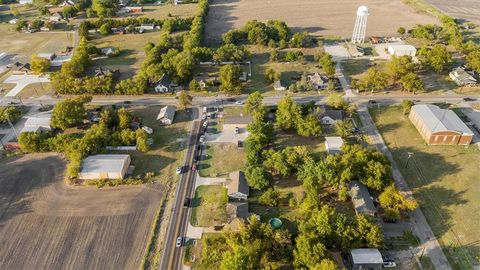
(209, 206)
(221, 159)
(23, 45)
(131, 49)
(46, 224)
(463, 9)
(445, 181)
(325, 17)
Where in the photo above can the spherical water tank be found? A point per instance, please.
(362, 11)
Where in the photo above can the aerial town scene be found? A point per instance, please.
(239, 134)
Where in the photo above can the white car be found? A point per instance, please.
(179, 242)
(179, 170)
(389, 264)
(202, 138)
(239, 102)
(205, 124)
(204, 116)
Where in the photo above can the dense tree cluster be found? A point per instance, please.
(230, 79)
(286, 161)
(436, 57)
(9, 113)
(395, 203)
(253, 246)
(373, 81)
(290, 116)
(231, 52)
(69, 112)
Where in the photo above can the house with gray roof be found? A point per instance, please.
(166, 115)
(238, 210)
(361, 199)
(164, 85)
(439, 126)
(462, 78)
(237, 186)
(318, 81)
(366, 258)
(330, 117)
(279, 85)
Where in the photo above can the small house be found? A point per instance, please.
(237, 186)
(104, 167)
(462, 77)
(55, 17)
(100, 72)
(145, 27)
(164, 85)
(238, 210)
(333, 144)
(13, 21)
(401, 50)
(166, 115)
(38, 123)
(366, 258)
(318, 81)
(330, 117)
(25, 2)
(279, 85)
(361, 199)
(118, 30)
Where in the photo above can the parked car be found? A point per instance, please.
(230, 99)
(389, 220)
(389, 264)
(127, 102)
(204, 116)
(239, 144)
(202, 138)
(469, 99)
(205, 124)
(194, 166)
(179, 170)
(186, 203)
(179, 241)
(237, 130)
(239, 102)
(199, 147)
(371, 101)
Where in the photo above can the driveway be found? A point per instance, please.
(23, 80)
(228, 135)
(420, 226)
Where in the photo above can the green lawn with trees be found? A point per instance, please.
(444, 180)
(209, 206)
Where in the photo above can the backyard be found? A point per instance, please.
(209, 206)
(444, 180)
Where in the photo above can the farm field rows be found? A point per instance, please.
(464, 9)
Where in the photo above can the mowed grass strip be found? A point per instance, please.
(445, 181)
(221, 159)
(209, 206)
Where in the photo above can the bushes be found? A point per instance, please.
(293, 56)
(9, 113)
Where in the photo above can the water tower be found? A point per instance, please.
(360, 25)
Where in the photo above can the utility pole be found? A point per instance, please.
(11, 125)
(410, 155)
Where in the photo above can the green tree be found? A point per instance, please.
(343, 128)
(230, 79)
(184, 100)
(32, 142)
(400, 66)
(288, 113)
(293, 56)
(237, 260)
(271, 75)
(254, 103)
(257, 177)
(309, 126)
(395, 203)
(336, 101)
(274, 56)
(308, 252)
(435, 58)
(276, 163)
(411, 82)
(142, 140)
(39, 64)
(407, 106)
(328, 65)
(326, 264)
(473, 60)
(194, 85)
(401, 30)
(270, 197)
(105, 29)
(69, 112)
(124, 119)
(374, 80)
(231, 52)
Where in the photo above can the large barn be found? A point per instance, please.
(439, 126)
(104, 167)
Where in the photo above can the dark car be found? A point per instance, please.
(469, 99)
(199, 147)
(230, 99)
(239, 144)
(127, 102)
(389, 220)
(186, 203)
(371, 101)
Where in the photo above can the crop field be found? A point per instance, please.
(48, 225)
(163, 11)
(324, 17)
(464, 9)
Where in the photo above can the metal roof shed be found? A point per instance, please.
(104, 167)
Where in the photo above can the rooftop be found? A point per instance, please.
(237, 183)
(104, 163)
(361, 199)
(334, 143)
(167, 112)
(366, 256)
(436, 119)
(402, 47)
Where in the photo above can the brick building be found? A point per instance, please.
(439, 126)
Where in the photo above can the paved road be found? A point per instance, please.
(419, 224)
(172, 257)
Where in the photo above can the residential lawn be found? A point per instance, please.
(131, 48)
(35, 90)
(221, 159)
(167, 152)
(444, 180)
(315, 144)
(209, 251)
(437, 83)
(209, 206)
(468, 91)
(164, 11)
(27, 12)
(355, 68)
(23, 45)
(233, 111)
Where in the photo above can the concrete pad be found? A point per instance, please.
(23, 80)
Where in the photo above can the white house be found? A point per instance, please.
(330, 117)
(237, 186)
(164, 85)
(104, 167)
(366, 258)
(401, 49)
(166, 115)
(25, 2)
(462, 78)
(333, 144)
(55, 17)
